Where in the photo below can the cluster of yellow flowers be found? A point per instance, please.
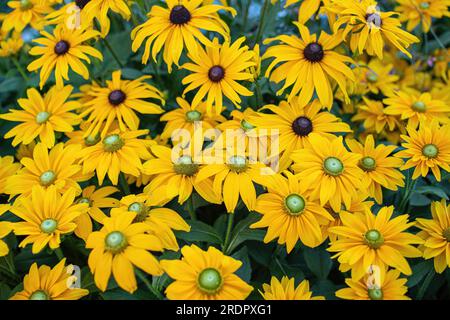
(359, 119)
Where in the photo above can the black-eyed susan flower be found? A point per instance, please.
(286, 290)
(179, 25)
(57, 167)
(416, 107)
(11, 46)
(47, 216)
(26, 13)
(42, 116)
(295, 123)
(118, 152)
(215, 72)
(46, 283)
(204, 275)
(329, 170)
(5, 229)
(307, 8)
(380, 170)
(118, 101)
(426, 148)
(436, 235)
(415, 12)
(99, 9)
(118, 247)
(366, 240)
(63, 50)
(7, 168)
(289, 213)
(307, 64)
(372, 114)
(378, 77)
(390, 287)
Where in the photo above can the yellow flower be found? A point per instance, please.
(11, 46)
(391, 287)
(63, 50)
(48, 215)
(426, 148)
(378, 77)
(204, 275)
(42, 116)
(286, 290)
(118, 247)
(25, 150)
(307, 64)
(118, 101)
(182, 23)
(5, 229)
(118, 152)
(374, 118)
(366, 240)
(329, 170)
(415, 12)
(99, 9)
(45, 283)
(289, 213)
(57, 167)
(7, 169)
(216, 72)
(436, 234)
(26, 13)
(380, 170)
(416, 107)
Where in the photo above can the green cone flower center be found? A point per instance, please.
(430, 151)
(237, 163)
(372, 77)
(141, 211)
(419, 106)
(295, 204)
(113, 143)
(375, 294)
(374, 239)
(47, 178)
(333, 166)
(367, 163)
(84, 200)
(91, 140)
(48, 225)
(186, 166)
(424, 5)
(39, 295)
(115, 241)
(193, 116)
(209, 280)
(446, 234)
(246, 125)
(42, 117)
(25, 5)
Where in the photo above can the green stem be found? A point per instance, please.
(149, 286)
(190, 208)
(438, 40)
(20, 69)
(228, 232)
(124, 184)
(108, 46)
(261, 20)
(409, 186)
(59, 253)
(259, 97)
(9, 274)
(245, 16)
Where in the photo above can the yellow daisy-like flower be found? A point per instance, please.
(374, 118)
(426, 148)
(204, 275)
(286, 290)
(295, 123)
(162, 221)
(7, 169)
(216, 70)
(436, 234)
(48, 215)
(416, 12)
(26, 13)
(369, 28)
(181, 24)
(45, 283)
(96, 200)
(11, 46)
(378, 77)
(5, 229)
(120, 246)
(329, 170)
(118, 152)
(99, 9)
(58, 167)
(289, 213)
(417, 107)
(380, 170)
(63, 50)
(42, 116)
(366, 240)
(307, 64)
(119, 100)
(391, 287)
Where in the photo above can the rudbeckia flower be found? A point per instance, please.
(286, 290)
(99, 9)
(26, 13)
(204, 275)
(47, 216)
(365, 240)
(118, 247)
(374, 117)
(7, 169)
(307, 64)
(63, 50)
(378, 77)
(42, 116)
(5, 229)
(45, 283)
(11, 46)
(181, 24)
(416, 12)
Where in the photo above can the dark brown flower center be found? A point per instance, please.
(313, 52)
(61, 47)
(216, 73)
(302, 126)
(81, 3)
(116, 97)
(179, 15)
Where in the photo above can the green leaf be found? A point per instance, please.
(245, 271)
(419, 200)
(242, 232)
(419, 271)
(200, 232)
(11, 84)
(438, 192)
(5, 291)
(318, 261)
